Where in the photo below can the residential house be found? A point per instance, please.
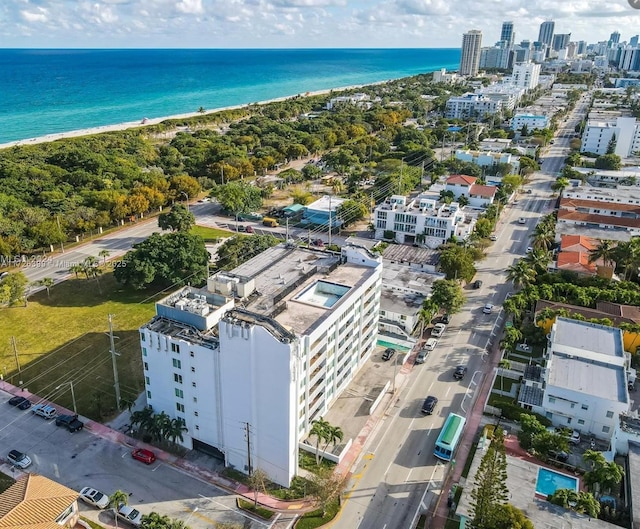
(323, 212)
(479, 196)
(36, 502)
(575, 253)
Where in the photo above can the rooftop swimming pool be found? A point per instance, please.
(549, 481)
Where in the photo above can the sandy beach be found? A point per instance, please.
(145, 122)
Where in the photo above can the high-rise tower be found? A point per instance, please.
(546, 32)
(470, 58)
(507, 35)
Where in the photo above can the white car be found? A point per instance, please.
(488, 309)
(94, 497)
(129, 514)
(438, 329)
(18, 459)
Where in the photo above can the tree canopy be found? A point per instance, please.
(236, 250)
(447, 294)
(238, 197)
(178, 219)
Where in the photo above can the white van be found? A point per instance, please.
(430, 344)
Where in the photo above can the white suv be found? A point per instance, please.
(44, 410)
(438, 329)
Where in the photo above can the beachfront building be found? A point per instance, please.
(252, 359)
(471, 105)
(470, 56)
(584, 384)
(532, 121)
(323, 212)
(360, 100)
(423, 220)
(488, 159)
(441, 76)
(623, 131)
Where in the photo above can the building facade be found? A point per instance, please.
(252, 359)
(470, 58)
(526, 75)
(531, 121)
(471, 105)
(545, 36)
(507, 34)
(624, 132)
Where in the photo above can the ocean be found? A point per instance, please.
(54, 91)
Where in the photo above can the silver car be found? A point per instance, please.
(18, 459)
(129, 514)
(94, 497)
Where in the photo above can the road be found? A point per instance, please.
(82, 459)
(397, 476)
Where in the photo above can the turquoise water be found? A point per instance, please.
(549, 481)
(53, 91)
(397, 347)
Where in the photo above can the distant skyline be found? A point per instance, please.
(299, 23)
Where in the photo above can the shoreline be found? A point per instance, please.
(145, 122)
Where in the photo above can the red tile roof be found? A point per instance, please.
(461, 179)
(593, 218)
(577, 243)
(483, 191)
(577, 262)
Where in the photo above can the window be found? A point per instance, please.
(148, 394)
(195, 399)
(585, 407)
(193, 369)
(552, 400)
(573, 405)
(580, 421)
(144, 350)
(177, 378)
(175, 348)
(197, 427)
(146, 366)
(609, 414)
(147, 381)
(179, 393)
(193, 384)
(143, 337)
(605, 429)
(177, 363)
(195, 413)
(180, 407)
(192, 354)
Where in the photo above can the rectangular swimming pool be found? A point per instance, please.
(549, 481)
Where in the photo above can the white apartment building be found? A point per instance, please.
(507, 94)
(488, 158)
(249, 361)
(532, 121)
(359, 99)
(584, 385)
(526, 75)
(495, 144)
(423, 220)
(598, 134)
(627, 176)
(471, 105)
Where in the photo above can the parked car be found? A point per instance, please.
(21, 403)
(459, 372)
(18, 459)
(44, 410)
(529, 191)
(493, 237)
(249, 229)
(575, 437)
(522, 220)
(561, 456)
(487, 309)
(529, 249)
(70, 422)
(129, 514)
(144, 455)
(242, 228)
(430, 344)
(477, 283)
(422, 356)
(388, 353)
(446, 318)
(429, 404)
(438, 330)
(94, 497)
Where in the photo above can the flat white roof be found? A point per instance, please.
(326, 203)
(585, 339)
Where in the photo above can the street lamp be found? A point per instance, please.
(186, 199)
(73, 395)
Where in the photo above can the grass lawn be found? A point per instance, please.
(64, 338)
(314, 519)
(211, 234)
(504, 384)
(262, 512)
(307, 460)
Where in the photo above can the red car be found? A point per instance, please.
(146, 456)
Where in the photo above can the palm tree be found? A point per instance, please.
(333, 435)
(425, 314)
(143, 418)
(47, 283)
(521, 273)
(104, 254)
(605, 251)
(337, 186)
(319, 428)
(560, 184)
(118, 498)
(544, 236)
(76, 269)
(176, 430)
(538, 260)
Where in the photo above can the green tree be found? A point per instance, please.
(512, 336)
(104, 254)
(611, 162)
(606, 474)
(447, 294)
(12, 288)
(521, 273)
(483, 227)
(506, 516)
(154, 520)
(258, 483)
(238, 197)
(490, 487)
(333, 436)
(319, 429)
(546, 443)
(606, 250)
(237, 250)
(581, 502)
(611, 146)
(118, 498)
(530, 426)
(351, 210)
(511, 183)
(178, 219)
(183, 184)
(457, 262)
(47, 283)
(326, 487)
(560, 184)
(172, 259)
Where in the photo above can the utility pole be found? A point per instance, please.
(400, 179)
(15, 352)
(116, 382)
(330, 221)
(287, 230)
(248, 433)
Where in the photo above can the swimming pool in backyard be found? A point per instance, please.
(549, 481)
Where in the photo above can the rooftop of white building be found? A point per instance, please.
(326, 203)
(588, 358)
(298, 287)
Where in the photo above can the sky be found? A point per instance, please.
(300, 23)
